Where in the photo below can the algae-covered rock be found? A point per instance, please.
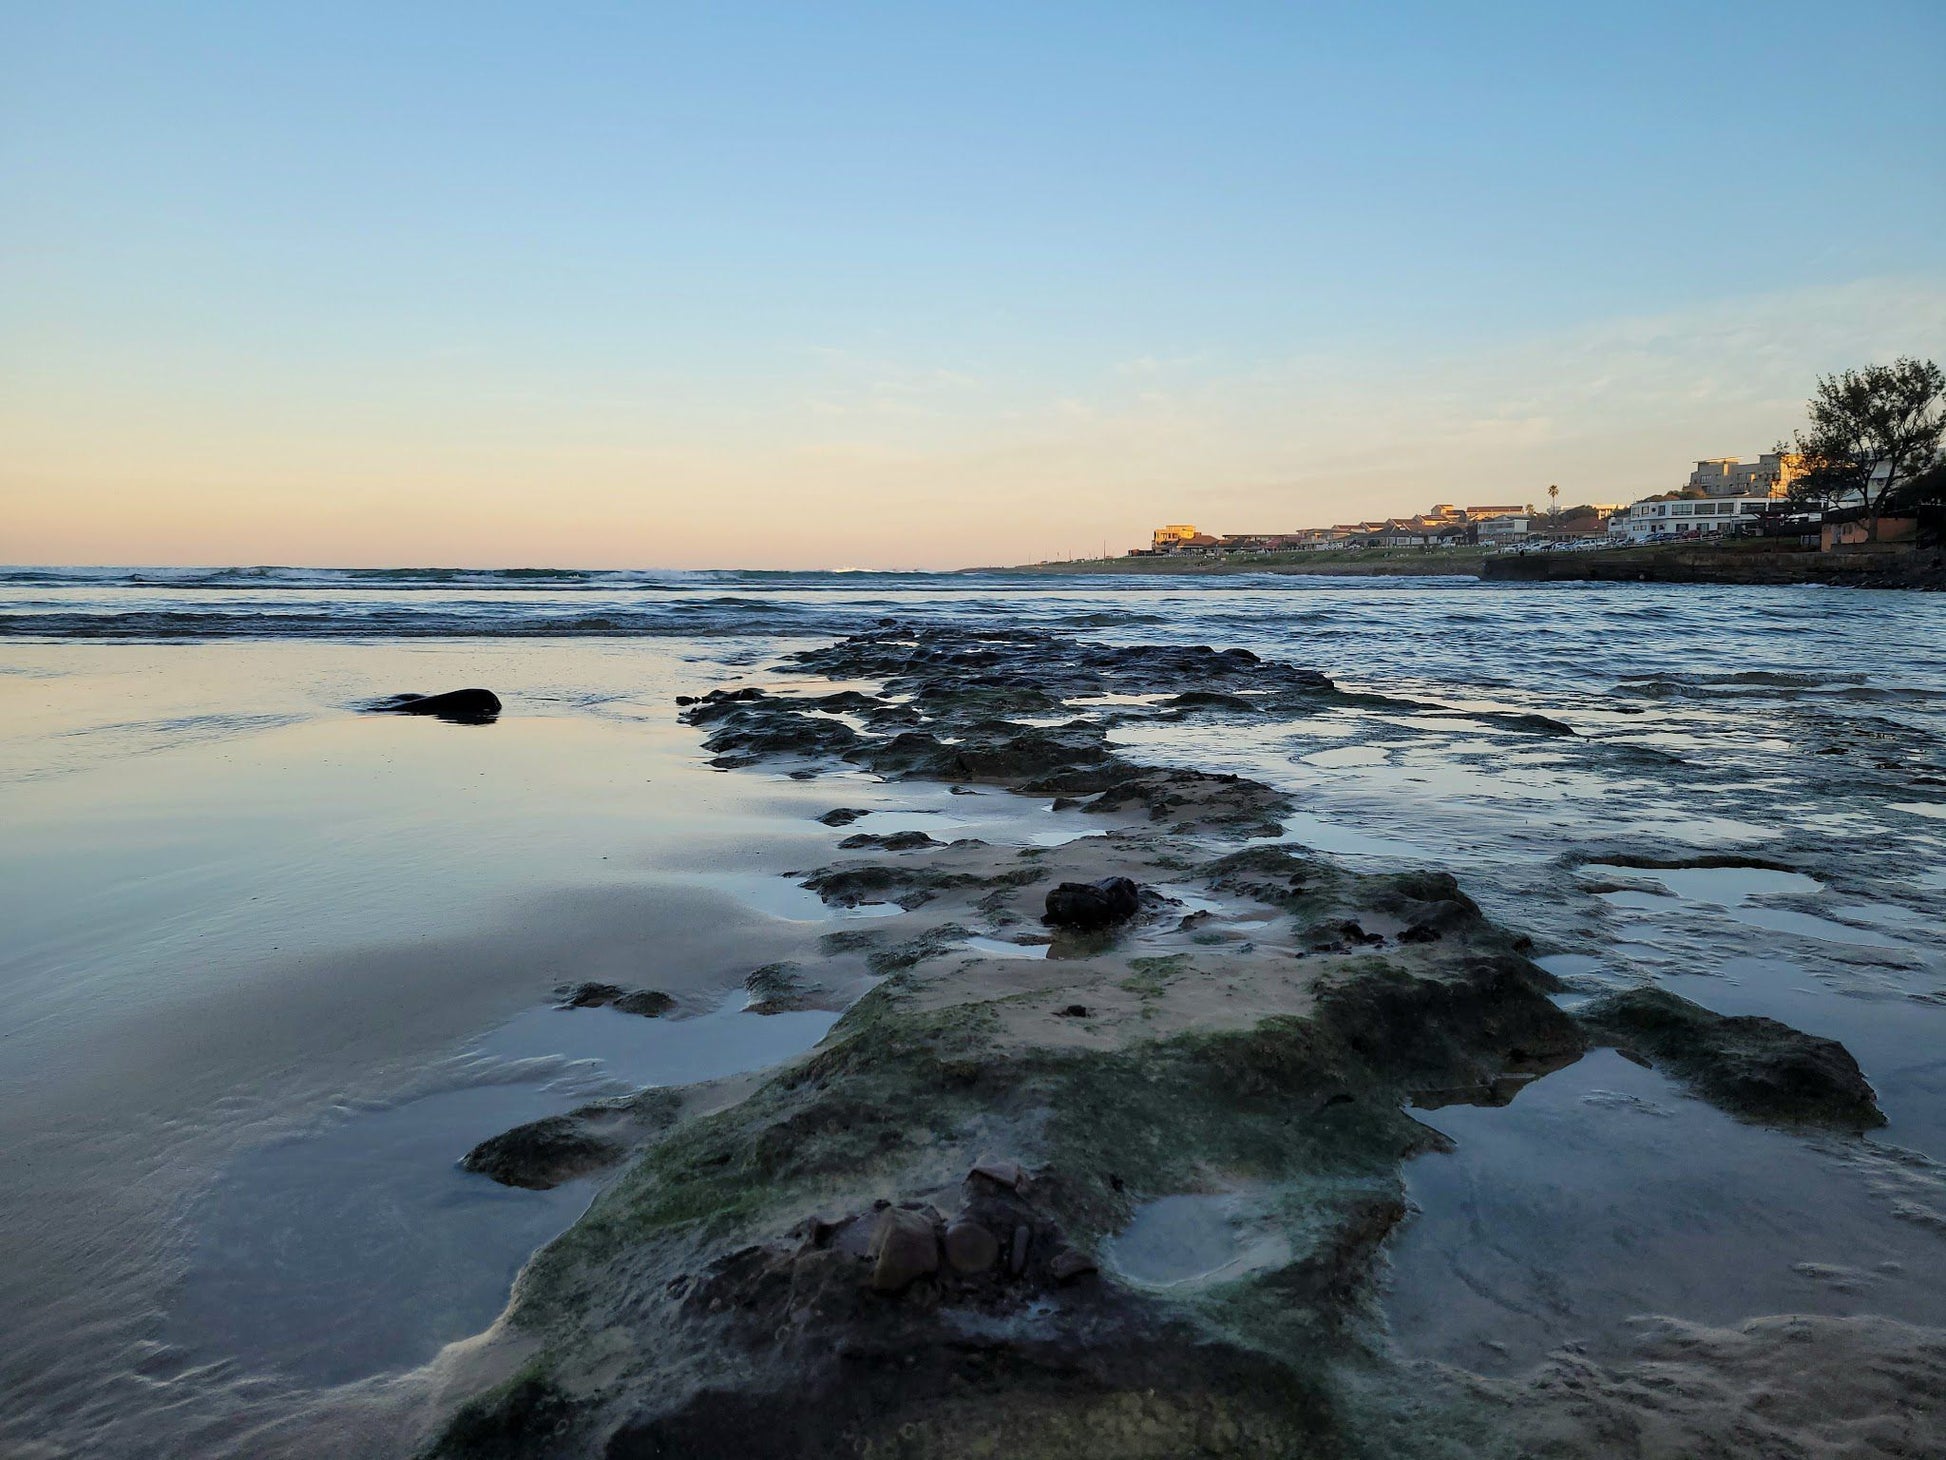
(541, 1154)
(1753, 1067)
(544, 1153)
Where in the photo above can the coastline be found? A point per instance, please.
(1587, 805)
(1754, 565)
(1120, 1190)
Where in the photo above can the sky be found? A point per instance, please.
(924, 285)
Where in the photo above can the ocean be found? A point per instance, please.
(269, 965)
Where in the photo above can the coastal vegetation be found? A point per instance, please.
(1872, 432)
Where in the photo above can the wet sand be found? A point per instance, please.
(265, 983)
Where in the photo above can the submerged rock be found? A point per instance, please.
(649, 1003)
(557, 1148)
(1090, 906)
(777, 988)
(1750, 1066)
(892, 841)
(461, 706)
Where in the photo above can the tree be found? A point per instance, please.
(1553, 501)
(1872, 430)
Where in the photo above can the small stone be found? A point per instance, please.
(907, 1249)
(1072, 1011)
(1068, 1264)
(1017, 1258)
(1000, 1170)
(971, 1248)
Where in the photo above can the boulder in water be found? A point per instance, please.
(541, 1154)
(460, 706)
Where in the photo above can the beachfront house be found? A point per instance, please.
(1664, 517)
(1505, 529)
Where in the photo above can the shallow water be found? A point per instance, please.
(269, 966)
(1603, 1193)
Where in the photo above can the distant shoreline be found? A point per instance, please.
(1754, 562)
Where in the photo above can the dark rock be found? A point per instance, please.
(894, 841)
(1753, 1067)
(649, 1003)
(459, 706)
(1202, 699)
(846, 699)
(843, 816)
(776, 989)
(1092, 905)
(1532, 724)
(1337, 937)
(1072, 1011)
(1017, 1251)
(970, 1248)
(905, 1248)
(541, 1154)
(1068, 1264)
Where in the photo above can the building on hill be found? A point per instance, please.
(1175, 535)
(1727, 476)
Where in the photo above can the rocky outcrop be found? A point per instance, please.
(901, 1243)
(1755, 1068)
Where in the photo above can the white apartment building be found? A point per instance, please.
(1684, 516)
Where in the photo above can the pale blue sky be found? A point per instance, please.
(832, 283)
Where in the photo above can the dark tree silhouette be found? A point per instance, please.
(1872, 430)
